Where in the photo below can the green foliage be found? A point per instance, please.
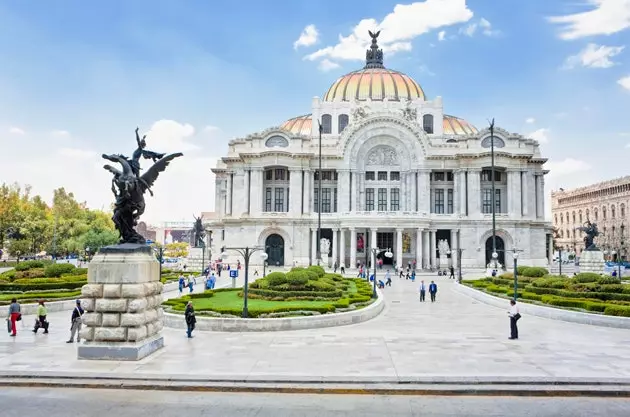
(586, 277)
(608, 280)
(533, 271)
(176, 250)
(613, 310)
(297, 278)
(275, 279)
(56, 270)
(520, 269)
(23, 266)
(317, 269)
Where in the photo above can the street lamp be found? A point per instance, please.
(615, 254)
(159, 252)
(459, 264)
(87, 254)
(264, 257)
(246, 252)
(388, 254)
(515, 256)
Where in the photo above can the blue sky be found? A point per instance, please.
(76, 79)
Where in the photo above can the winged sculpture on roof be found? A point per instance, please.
(129, 187)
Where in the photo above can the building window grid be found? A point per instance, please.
(382, 199)
(268, 199)
(394, 203)
(486, 205)
(449, 201)
(369, 199)
(279, 199)
(439, 201)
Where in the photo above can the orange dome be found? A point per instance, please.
(300, 125)
(374, 84)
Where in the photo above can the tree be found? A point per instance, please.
(176, 250)
(10, 206)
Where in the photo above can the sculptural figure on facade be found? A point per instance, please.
(128, 186)
(199, 232)
(324, 246)
(409, 112)
(443, 248)
(591, 231)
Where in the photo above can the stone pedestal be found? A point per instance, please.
(196, 259)
(122, 300)
(592, 261)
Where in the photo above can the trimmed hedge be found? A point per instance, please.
(533, 271)
(26, 265)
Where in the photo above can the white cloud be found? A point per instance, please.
(483, 24)
(211, 129)
(60, 134)
(403, 24)
(327, 65)
(16, 131)
(441, 35)
(308, 37)
(624, 82)
(76, 153)
(566, 167)
(541, 135)
(170, 136)
(423, 69)
(530, 120)
(607, 17)
(594, 56)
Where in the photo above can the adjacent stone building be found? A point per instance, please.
(605, 203)
(396, 172)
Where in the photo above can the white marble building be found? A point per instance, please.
(396, 173)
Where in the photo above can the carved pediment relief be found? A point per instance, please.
(383, 155)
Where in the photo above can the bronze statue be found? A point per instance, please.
(591, 233)
(199, 232)
(374, 36)
(129, 187)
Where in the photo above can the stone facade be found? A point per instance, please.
(605, 203)
(122, 300)
(396, 173)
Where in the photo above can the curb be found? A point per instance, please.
(519, 390)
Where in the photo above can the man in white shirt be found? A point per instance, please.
(514, 316)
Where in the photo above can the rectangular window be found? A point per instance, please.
(498, 201)
(280, 174)
(327, 175)
(334, 200)
(316, 200)
(369, 176)
(486, 201)
(438, 176)
(394, 199)
(279, 200)
(394, 176)
(269, 175)
(439, 201)
(485, 175)
(382, 175)
(336, 176)
(268, 199)
(449, 201)
(326, 200)
(382, 199)
(449, 176)
(369, 199)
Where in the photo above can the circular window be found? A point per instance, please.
(498, 142)
(277, 142)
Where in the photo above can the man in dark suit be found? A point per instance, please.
(432, 290)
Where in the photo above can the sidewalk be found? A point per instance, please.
(455, 338)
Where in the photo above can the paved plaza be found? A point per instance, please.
(454, 337)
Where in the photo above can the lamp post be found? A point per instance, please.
(494, 203)
(515, 256)
(246, 252)
(560, 261)
(319, 198)
(459, 264)
(388, 254)
(87, 254)
(264, 257)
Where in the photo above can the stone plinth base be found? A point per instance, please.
(122, 301)
(120, 351)
(592, 261)
(197, 260)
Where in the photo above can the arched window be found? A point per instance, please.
(277, 141)
(612, 212)
(561, 218)
(568, 218)
(604, 213)
(276, 182)
(595, 212)
(427, 123)
(573, 217)
(555, 219)
(342, 121)
(587, 214)
(622, 210)
(580, 216)
(562, 234)
(326, 123)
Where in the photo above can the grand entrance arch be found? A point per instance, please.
(500, 250)
(274, 246)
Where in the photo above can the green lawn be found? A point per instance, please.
(231, 300)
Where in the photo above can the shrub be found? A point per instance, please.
(297, 278)
(26, 265)
(276, 278)
(77, 271)
(534, 272)
(318, 270)
(30, 273)
(56, 270)
(521, 269)
(614, 310)
(312, 275)
(585, 277)
(507, 276)
(608, 280)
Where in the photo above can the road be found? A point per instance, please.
(20, 402)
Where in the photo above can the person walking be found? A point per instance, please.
(191, 283)
(40, 321)
(15, 315)
(452, 269)
(388, 278)
(423, 290)
(343, 269)
(189, 315)
(515, 315)
(181, 282)
(432, 290)
(75, 322)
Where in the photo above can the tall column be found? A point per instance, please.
(313, 246)
(354, 192)
(295, 192)
(342, 248)
(474, 192)
(335, 243)
(399, 247)
(424, 196)
(343, 194)
(540, 197)
(308, 187)
(550, 250)
(238, 189)
(432, 249)
(353, 248)
(228, 196)
(247, 205)
(426, 256)
(454, 247)
(463, 189)
(373, 245)
(256, 192)
(456, 190)
(419, 248)
(412, 187)
(360, 191)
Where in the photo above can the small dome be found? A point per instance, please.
(456, 126)
(300, 125)
(375, 84)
